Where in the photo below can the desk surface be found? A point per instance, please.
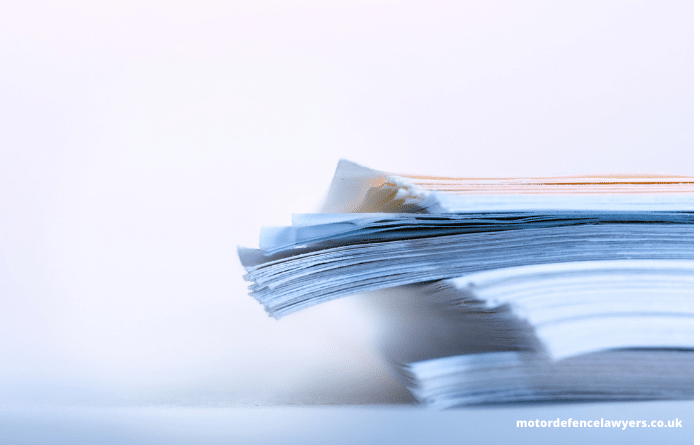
(341, 424)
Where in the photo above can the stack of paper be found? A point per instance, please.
(549, 288)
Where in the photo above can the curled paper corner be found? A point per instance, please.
(349, 186)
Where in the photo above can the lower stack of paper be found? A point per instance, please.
(582, 331)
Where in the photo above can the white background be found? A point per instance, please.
(142, 141)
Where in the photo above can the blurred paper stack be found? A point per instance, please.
(496, 290)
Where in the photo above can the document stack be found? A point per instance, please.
(501, 290)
